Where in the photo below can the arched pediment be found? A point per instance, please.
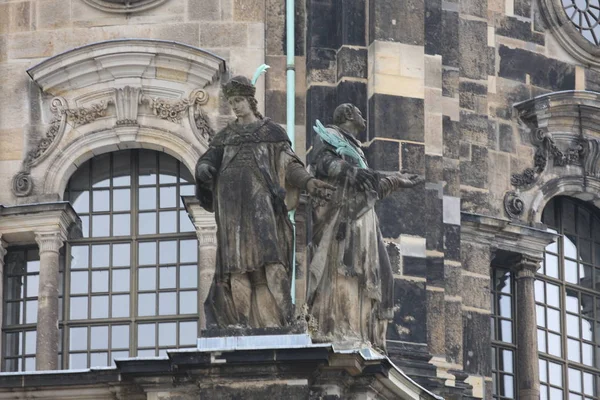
(564, 128)
(120, 91)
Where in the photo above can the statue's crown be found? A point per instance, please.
(239, 86)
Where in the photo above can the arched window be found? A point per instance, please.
(131, 281)
(567, 294)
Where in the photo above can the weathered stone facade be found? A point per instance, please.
(450, 91)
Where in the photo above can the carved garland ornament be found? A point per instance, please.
(545, 147)
(126, 101)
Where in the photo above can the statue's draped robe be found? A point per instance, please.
(350, 284)
(254, 165)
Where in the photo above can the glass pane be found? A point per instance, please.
(99, 359)
(81, 177)
(121, 224)
(78, 339)
(505, 333)
(504, 306)
(585, 250)
(120, 305)
(31, 311)
(121, 255)
(100, 256)
(588, 384)
(147, 198)
(188, 251)
(100, 307)
(571, 271)
(543, 365)
(78, 361)
(168, 252)
(506, 361)
(147, 167)
(575, 380)
(101, 200)
(122, 168)
(79, 282)
(79, 257)
(185, 224)
(120, 337)
(121, 200)
(569, 248)
(30, 338)
(572, 301)
(147, 223)
(188, 302)
(507, 388)
(14, 313)
(541, 335)
(85, 226)
(554, 345)
(32, 285)
(583, 222)
(167, 334)
(552, 294)
(587, 354)
(556, 394)
(573, 350)
(573, 326)
(100, 281)
(168, 168)
(147, 253)
(146, 304)
(167, 221)
(100, 225)
(146, 353)
(587, 329)
(168, 197)
(80, 201)
(553, 320)
(147, 278)
(167, 303)
(101, 170)
(99, 337)
(146, 335)
(551, 265)
(188, 333)
(187, 190)
(188, 276)
(168, 277)
(555, 374)
(540, 315)
(120, 280)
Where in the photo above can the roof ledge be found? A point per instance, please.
(127, 59)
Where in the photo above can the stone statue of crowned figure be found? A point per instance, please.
(251, 178)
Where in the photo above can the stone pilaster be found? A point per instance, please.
(206, 231)
(528, 379)
(47, 318)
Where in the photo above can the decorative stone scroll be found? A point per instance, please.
(58, 105)
(513, 204)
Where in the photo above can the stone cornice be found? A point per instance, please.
(126, 59)
(506, 235)
(20, 224)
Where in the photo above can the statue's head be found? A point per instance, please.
(240, 92)
(348, 113)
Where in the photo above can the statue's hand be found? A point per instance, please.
(205, 172)
(409, 180)
(364, 179)
(319, 190)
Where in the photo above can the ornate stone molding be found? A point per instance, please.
(50, 241)
(167, 109)
(58, 105)
(127, 100)
(564, 130)
(123, 6)
(85, 115)
(199, 120)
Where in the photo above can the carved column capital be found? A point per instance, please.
(526, 266)
(50, 241)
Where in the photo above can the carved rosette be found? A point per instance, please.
(22, 184)
(513, 205)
